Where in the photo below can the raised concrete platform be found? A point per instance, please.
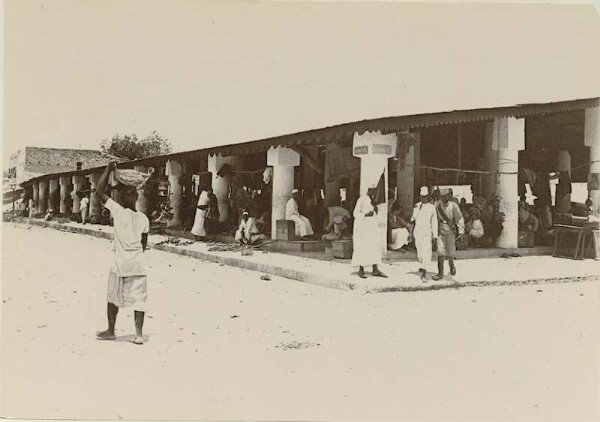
(295, 246)
(403, 275)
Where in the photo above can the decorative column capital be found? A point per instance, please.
(374, 144)
(215, 162)
(282, 156)
(174, 168)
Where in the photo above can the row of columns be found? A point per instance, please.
(505, 137)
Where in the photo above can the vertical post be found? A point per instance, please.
(95, 206)
(332, 184)
(43, 196)
(174, 171)
(563, 202)
(53, 197)
(220, 184)
(65, 182)
(405, 174)
(460, 139)
(508, 139)
(140, 204)
(36, 191)
(491, 161)
(374, 150)
(283, 161)
(77, 182)
(592, 140)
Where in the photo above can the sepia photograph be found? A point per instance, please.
(300, 210)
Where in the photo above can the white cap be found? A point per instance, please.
(295, 191)
(245, 213)
(424, 191)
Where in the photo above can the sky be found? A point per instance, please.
(209, 73)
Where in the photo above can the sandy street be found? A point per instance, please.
(223, 344)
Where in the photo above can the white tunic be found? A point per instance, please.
(426, 228)
(128, 228)
(367, 236)
(249, 228)
(303, 226)
(198, 229)
(426, 222)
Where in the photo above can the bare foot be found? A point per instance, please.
(106, 335)
(137, 340)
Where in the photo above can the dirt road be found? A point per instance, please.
(223, 344)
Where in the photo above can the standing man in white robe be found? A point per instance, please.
(425, 230)
(303, 227)
(367, 236)
(199, 229)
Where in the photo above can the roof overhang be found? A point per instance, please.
(344, 132)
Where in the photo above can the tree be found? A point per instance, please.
(131, 148)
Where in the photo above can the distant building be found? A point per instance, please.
(31, 162)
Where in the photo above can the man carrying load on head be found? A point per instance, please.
(127, 275)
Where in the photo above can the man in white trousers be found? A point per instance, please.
(425, 230)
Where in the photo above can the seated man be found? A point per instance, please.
(339, 220)
(247, 231)
(49, 215)
(591, 215)
(527, 221)
(398, 229)
(303, 226)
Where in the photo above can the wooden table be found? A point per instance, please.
(574, 241)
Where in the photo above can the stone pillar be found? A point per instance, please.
(220, 185)
(405, 176)
(95, 205)
(53, 196)
(508, 139)
(374, 150)
(174, 171)
(140, 204)
(491, 162)
(283, 161)
(36, 196)
(42, 203)
(77, 182)
(65, 183)
(563, 203)
(592, 140)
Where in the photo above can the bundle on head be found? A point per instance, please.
(129, 177)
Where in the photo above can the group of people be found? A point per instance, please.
(434, 219)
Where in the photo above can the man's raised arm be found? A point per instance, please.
(101, 186)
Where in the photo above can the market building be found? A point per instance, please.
(484, 149)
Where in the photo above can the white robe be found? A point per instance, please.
(426, 228)
(367, 235)
(199, 220)
(398, 238)
(250, 230)
(303, 226)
